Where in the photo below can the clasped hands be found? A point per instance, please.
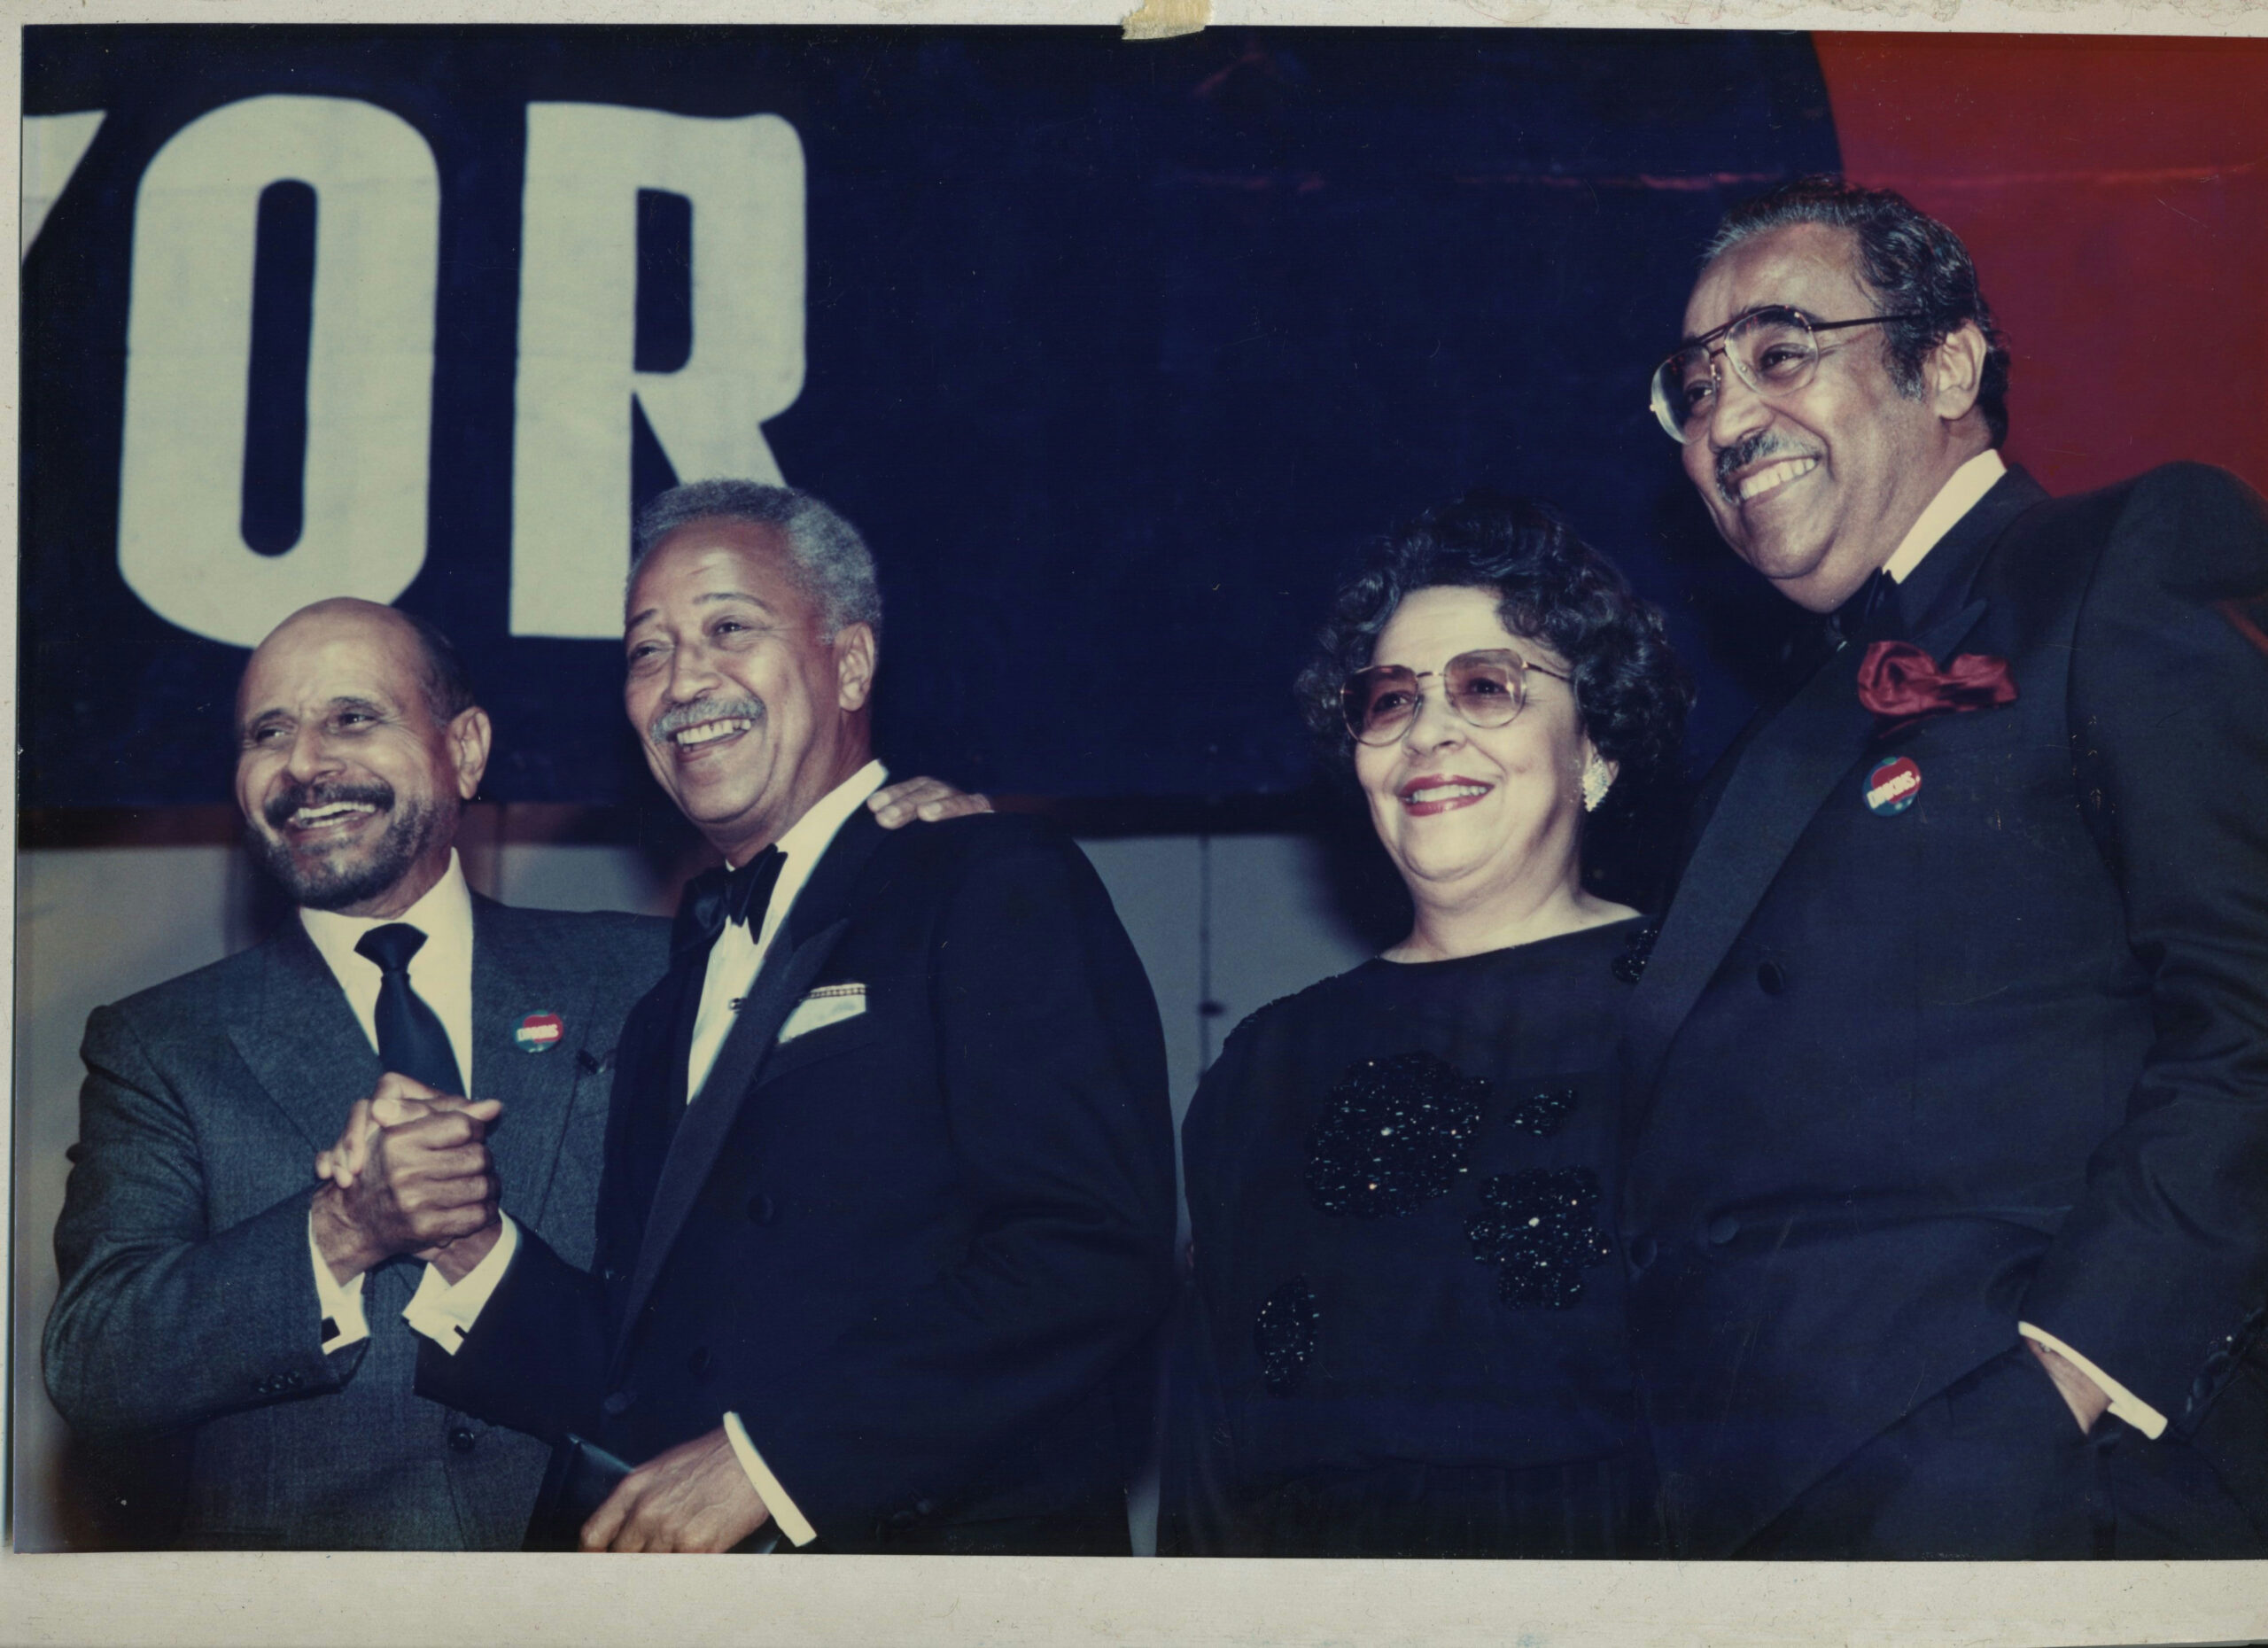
(410, 1173)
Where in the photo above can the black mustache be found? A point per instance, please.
(1764, 443)
(289, 800)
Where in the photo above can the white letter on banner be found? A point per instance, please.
(578, 288)
(53, 146)
(369, 364)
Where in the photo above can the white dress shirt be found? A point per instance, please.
(441, 973)
(1960, 494)
(737, 954)
(446, 1313)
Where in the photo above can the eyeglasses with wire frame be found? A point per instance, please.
(1487, 688)
(1775, 349)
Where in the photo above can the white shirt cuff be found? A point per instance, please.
(2123, 1403)
(444, 1314)
(768, 1486)
(340, 1303)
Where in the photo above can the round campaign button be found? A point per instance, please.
(1891, 787)
(538, 1032)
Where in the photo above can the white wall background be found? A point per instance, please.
(98, 923)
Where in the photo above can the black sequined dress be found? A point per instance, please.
(1404, 1334)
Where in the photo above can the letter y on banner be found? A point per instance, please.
(578, 286)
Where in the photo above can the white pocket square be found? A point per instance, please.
(830, 1004)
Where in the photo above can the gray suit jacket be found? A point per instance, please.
(188, 1308)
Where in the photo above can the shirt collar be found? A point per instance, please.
(444, 915)
(1960, 494)
(808, 836)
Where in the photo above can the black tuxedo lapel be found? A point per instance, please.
(511, 981)
(1786, 772)
(302, 1041)
(798, 951)
(1942, 583)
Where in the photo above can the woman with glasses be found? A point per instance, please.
(1404, 1333)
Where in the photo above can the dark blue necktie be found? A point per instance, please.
(411, 1040)
(718, 895)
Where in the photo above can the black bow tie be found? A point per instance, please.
(718, 895)
(1880, 591)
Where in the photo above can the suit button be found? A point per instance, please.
(761, 1210)
(618, 1403)
(1723, 1228)
(1771, 978)
(699, 1360)
(461, 1438)
(1641, 1249)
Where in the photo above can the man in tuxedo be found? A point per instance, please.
(1948, 1217)
(217, 1298)
(888, 1210)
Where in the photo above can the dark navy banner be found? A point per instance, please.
(1115, 351)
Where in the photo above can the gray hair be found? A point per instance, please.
(836, 568)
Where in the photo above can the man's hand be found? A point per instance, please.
(397, 1099)
(928, 799)
(2086, 1399)
(414, 1185)
(694, 1497)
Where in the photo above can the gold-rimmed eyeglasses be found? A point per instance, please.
(1487, 688)
(1775, 349)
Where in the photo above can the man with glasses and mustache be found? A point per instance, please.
(888, 1212)
(1948, 1217)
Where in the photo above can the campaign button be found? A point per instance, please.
(538, 1032)
(1891, 787)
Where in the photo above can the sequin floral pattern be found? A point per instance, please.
(1541, 1235)
(1637, 949)
(1283, 1334)
(1392, 1136)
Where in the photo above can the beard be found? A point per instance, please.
(348, 874)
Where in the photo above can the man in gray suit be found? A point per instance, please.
(214, 1291)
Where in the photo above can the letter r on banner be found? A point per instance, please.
(579, 282)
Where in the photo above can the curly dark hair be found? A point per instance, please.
(1630, 688)
(1912, 262)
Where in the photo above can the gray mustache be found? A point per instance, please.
(1765, 443)
(670, 722)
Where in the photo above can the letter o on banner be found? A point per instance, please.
(378, 192)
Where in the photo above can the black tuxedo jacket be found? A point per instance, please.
(920, 1250)
(1905, 1080)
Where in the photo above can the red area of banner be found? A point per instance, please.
(2114, 193)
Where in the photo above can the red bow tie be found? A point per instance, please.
(1901, 684)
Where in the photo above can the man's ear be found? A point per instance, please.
(1953, 373)
(468, 734)
(854, 665)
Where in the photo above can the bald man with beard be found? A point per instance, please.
(218, 1298)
